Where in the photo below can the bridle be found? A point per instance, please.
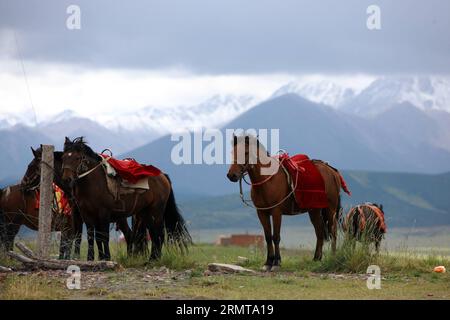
(247, 202)
(82, 166)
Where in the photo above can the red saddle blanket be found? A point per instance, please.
(310, 187)
(131, 170)
(60, 202)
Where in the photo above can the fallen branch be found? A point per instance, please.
(26, 251)
(5, 269)
(31, 261)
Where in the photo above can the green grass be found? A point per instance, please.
(340, 276)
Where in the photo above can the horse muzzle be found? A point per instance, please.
(233, 177)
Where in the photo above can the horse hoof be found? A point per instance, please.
(275, 268)
(267, 268)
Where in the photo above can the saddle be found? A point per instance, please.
(118, 187)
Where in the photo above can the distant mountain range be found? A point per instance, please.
(387, 124)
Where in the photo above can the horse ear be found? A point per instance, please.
(381, 207)
(34, 151)
(67, 140)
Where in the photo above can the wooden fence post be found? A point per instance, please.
(45, 201)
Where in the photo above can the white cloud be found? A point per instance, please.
(105, 92)
(55, 88)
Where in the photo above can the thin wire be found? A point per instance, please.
(25, 77)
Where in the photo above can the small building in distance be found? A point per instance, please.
(241, 240)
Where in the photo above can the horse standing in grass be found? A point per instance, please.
(366, 222)
(272, 196)
(155, 208)
(18, 207)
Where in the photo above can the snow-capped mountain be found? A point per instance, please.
(334, 93)
(211, 113)
(425, 93)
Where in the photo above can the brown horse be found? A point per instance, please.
(155, 208)
(31, 180)
(272, 196)
(365, 222)
(18, 207)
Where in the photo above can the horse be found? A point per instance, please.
(272, 196)
(366, 222)
(18, 207)
(155, 208)
(31, 181)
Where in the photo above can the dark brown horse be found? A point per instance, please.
(365, 222)
(155, 208)
(31, 181)
(272, 196)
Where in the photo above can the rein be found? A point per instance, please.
(84, 174)
(248, 203)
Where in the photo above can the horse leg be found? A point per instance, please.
(11, 231)
(99, 241)
(90, 238)
(264, 218)
(105, 240)
(156, 229)
(64, 245)
(139, 241)
(331, 215)
(123, 226)
(77, 226)
(276, 219)
(317, 221)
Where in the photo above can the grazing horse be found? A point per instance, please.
(31, 180)
(155, 208)
(272, 196)
(366, 222)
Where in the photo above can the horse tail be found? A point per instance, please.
(326, 222)
(344, 184)
(175, 225)
(339, 212)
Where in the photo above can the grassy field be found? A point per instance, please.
(341, 276)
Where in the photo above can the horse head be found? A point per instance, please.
(247, 153)
(76, 157)
(32, 175)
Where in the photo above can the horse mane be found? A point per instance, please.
(80, 145)
(58, 155)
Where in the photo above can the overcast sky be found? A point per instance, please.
(214, 38)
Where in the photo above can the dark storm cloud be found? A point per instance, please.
(236, 36)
